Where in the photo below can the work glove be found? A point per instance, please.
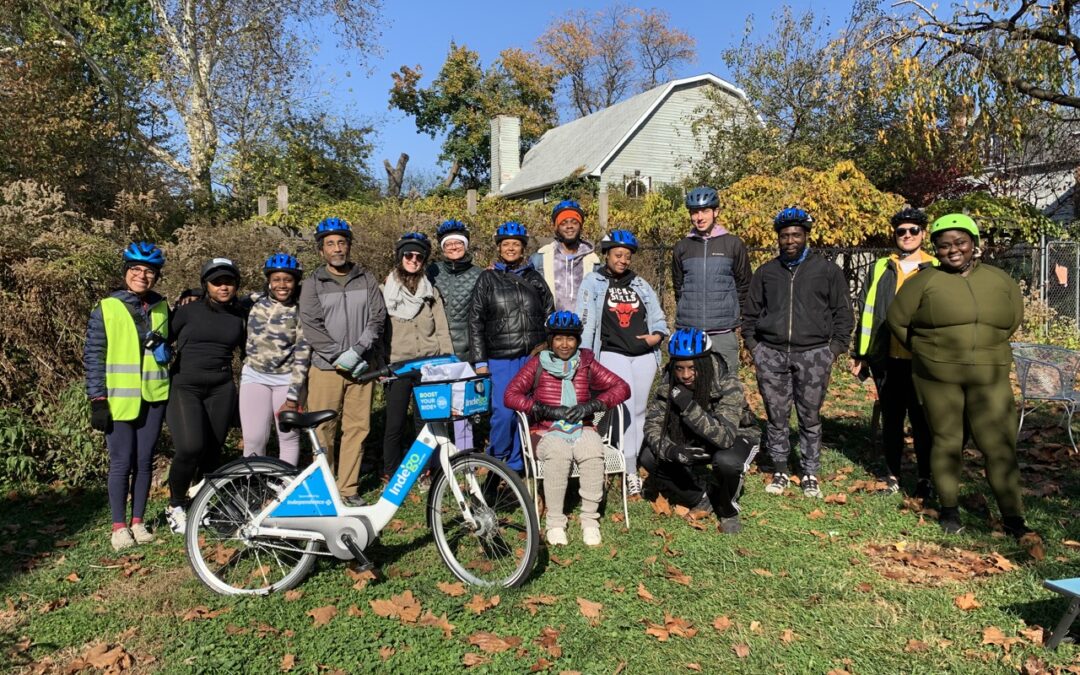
(690, 456)
(583, 411)
(360, 369)
(347, 361)
(549, 412)
(681, 397)
(100, 415)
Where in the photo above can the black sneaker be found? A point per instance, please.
(730, 525)
(892, 486)
(779, 483)
(704, 504)
(950, 524)
(924, 489)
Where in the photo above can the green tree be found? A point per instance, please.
(463, 98)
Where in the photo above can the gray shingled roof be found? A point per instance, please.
(587, 144)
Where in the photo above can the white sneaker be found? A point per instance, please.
(556, 536)
(122, 539)
(177, 519)
(633, 484)
(591, 536)
(194, 489)
(141, 534)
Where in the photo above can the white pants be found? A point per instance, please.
(259, 404)
(638, 372)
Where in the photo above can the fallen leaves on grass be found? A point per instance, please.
(1033, 543)
(50, 606)
(322, 615)
(590, 610)
(362, 579)
(672, 626)
(967, 602)
(1036, 635)
(677, 575)
(453, 590)
(403, 606)
(473, 659)
(533, 602)
(644, 593)
(549, 642)
(479, 604)
(914, 646)
(200, 612)
(492, 643)
(1071, 543)
(288, 662)
(836, 498)
(932, 565)
(291, 596)
(722, 623)
(787, 636)
(73, 578)
(994, 636)
(440, 622)
(103, 656)
(661, 506)
(815, 514)
(742, 650)
(354, 611)
(762, 573)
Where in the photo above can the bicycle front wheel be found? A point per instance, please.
(220, 546)
(500, 545)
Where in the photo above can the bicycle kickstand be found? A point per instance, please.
(363, 564)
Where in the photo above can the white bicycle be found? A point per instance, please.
(258, 524)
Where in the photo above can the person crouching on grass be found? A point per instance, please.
(554, 388)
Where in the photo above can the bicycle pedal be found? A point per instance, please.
(362, 562)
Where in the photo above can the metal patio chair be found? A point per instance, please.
(1047, 374)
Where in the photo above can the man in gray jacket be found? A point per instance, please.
(342, 312)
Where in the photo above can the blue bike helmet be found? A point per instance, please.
(330, 226)
(412, 241)
(563, 322)
(619, 238)
(568, 205)
(512, 230)
(689, 343)
(702, 198)
(451, 226)
(283, 262)
(143, 253)
(792, 215)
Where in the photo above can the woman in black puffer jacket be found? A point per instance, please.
(509, 305)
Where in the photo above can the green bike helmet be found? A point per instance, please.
(955, 221)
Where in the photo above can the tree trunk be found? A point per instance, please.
(395, 175)
(450, 177)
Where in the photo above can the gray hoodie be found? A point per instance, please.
(337, 317)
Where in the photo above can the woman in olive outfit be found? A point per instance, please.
(957, 320)
(127, 380)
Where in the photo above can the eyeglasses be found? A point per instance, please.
(453, 243)
(412, 255)
(144, 272)
(905, 231)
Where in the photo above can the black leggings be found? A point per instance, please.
(681, 484)
(896, 391)
(398, 397)
(201, 409)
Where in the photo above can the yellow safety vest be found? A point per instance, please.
(866, 322)
(132, 375)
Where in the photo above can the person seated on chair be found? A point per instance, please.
(555, 388)
(699, 416)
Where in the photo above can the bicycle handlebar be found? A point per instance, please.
(373, 375)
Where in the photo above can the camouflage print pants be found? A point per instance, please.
(802, 378)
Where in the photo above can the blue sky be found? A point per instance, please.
(420, 33)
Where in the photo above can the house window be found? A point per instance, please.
(637, 185)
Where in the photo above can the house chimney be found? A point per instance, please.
(505, 150)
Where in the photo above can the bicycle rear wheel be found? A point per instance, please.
(220, 547)
(500, 547)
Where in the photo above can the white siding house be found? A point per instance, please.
(646, 138)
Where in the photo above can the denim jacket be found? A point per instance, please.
(590, 308)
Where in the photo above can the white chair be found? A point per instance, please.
(614, 462)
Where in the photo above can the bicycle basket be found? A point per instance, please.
(453, 399)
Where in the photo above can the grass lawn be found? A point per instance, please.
(859, 583)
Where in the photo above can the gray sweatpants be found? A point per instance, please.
(801, 378)
(557, 453)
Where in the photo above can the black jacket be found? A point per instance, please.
(799, 309)
(455, 281)
(507, 313)
(710, 278)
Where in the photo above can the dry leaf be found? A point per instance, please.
(678, 576)
(403, 606)
(681, 511)
(815, 514)
(290, 596)
(837, 498)
(915, 646)
(787, 636)
(549, 641)
(1035, 635)
(742, 650)
(355, 611)
(967, 602)
(386, 651)
(322, 615)
(479, 604)
(540, 665)
(288, 662)
(755, 626)
(1071, 543)
(440, 622)
(453, 590)
(994, 636)
(864, 587)
(722, 623)
(590, 610)
(73, 577)
(1034, 545)
(361, 578)
(661, 506)
(532, 602)
(200, 612)
(657, 631)
(473, 659)
(109, 658)
(762, 573)
(492, 643)
(696, 667)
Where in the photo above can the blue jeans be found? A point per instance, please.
(504, 442)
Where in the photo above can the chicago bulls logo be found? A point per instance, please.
(624, 302)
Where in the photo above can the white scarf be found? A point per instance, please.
(400, 303)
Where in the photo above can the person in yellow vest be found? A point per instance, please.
(126, 358)
(879, 354)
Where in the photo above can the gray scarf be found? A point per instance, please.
(400, 303)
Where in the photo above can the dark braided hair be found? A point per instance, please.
(704, 374)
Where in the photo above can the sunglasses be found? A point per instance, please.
(904, 231)
(412, 255)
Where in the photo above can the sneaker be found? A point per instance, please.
(730, 525)
(121, 539)
(779, 483)
(556, 536)
(924, 489)
(194, 489)
(591, 536)
(892, 486)
(704, 505)
(950, 524)
(141, 534)
(633, 485)
(810, 487)
(354, 501)
(177, 519)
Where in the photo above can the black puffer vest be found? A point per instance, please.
(455, 281)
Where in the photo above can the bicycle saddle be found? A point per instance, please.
(291, 419)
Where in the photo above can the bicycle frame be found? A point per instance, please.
(311, 507)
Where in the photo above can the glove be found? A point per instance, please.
(360, 369)
(549, 412)
(348, 360)
(681, 397)
(100, 415)
(583, 411)
(690, 456)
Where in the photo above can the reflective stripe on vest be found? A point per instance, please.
(866, 324)
(131, 373)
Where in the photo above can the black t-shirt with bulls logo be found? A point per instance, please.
(623, 319)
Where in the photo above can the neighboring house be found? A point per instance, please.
(1043, 170)
(638, 144)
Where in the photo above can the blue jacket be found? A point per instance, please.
(590, 307)
(711, 278)
(97, 344)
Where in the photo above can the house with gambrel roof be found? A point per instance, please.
(638, 144)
